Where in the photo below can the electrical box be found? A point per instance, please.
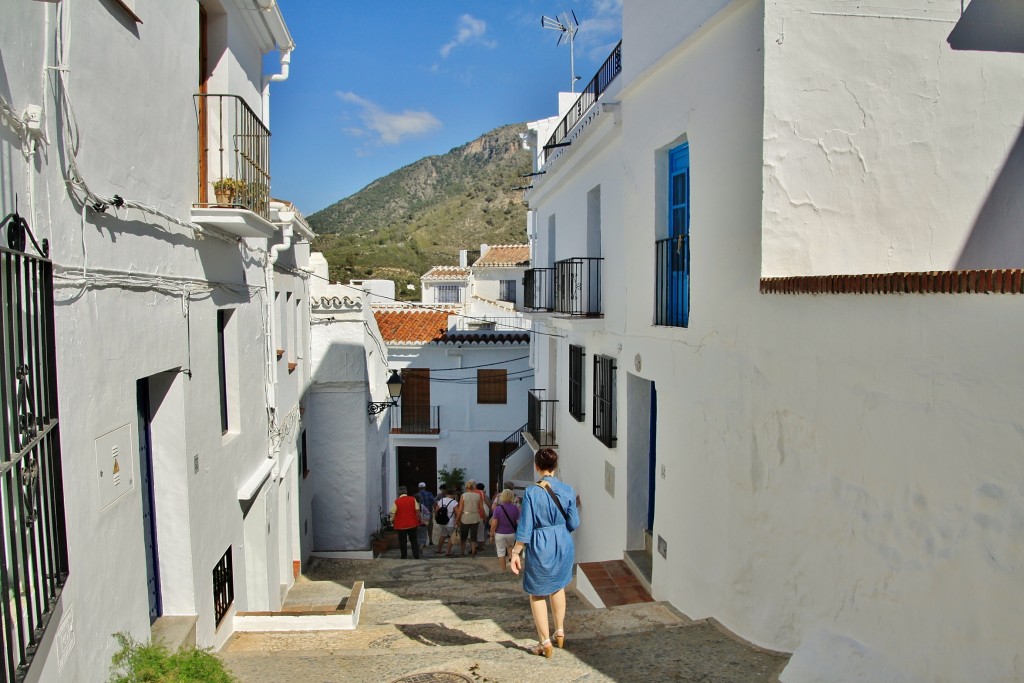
(115, 465)
(34, 117)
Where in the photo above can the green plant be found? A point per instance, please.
(227, 185)
(151, 662)
(453, 478)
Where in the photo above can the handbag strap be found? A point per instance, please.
(501, 506)
(544, 485)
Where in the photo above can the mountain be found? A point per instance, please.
(399, 226)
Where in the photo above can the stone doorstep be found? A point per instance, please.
(303, 618)
(175, 632)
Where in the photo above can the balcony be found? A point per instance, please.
(234, 150)
(416, 420)
(588, 98)
(578, 287)
(539, 289)
(672, 281)
(540, 419)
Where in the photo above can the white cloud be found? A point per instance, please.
(470, 31)
(388, 128)
(600, 31)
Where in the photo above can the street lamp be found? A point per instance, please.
(395, 383)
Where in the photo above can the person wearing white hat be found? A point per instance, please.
(426, 500)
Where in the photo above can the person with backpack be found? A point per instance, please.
(444, 519)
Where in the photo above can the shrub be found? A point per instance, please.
(151, 662)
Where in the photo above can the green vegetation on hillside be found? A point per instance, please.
(399, 226)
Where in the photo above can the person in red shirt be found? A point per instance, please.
(405, 516)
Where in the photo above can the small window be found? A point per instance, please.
(507, 291)
(448, 294)
(604, 400)
(223, 320)
(491, 386)
(576, 382)
(223, 587)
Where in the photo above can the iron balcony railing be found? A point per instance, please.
(416, 420)
(539, 289)
(33, 534)
(578, 286)
(540, 418)
(234, 146)
(672, 280)
(512, 443)
(598, 84)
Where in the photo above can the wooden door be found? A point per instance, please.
(416, 464)
(416, 400)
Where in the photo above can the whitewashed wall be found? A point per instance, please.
(885, 149)
(836, 474)
(343, 491)
(131, 86)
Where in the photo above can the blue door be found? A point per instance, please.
(679, 231)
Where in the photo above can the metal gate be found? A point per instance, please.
(33, 538)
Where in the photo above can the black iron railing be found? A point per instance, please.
(511, 443)
(416, 420)
(604, 400)
(672, 281)
(33, 535)
(234, 152)
(223, 587)
(540, 418)
(539, 289)
(576, 409)
(598, 84)
(578, 286)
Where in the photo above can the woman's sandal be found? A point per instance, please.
(560, 638)
(544, 648)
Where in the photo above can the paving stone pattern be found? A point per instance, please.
(423, 618)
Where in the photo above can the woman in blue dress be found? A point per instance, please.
(546, 528)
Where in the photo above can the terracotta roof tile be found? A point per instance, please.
(446, 273)
(505, 255)
(412, 326)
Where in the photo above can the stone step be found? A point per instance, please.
(429, 625)
(694, 651)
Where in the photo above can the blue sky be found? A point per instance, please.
(378, 84)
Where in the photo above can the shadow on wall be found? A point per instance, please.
(997, 237)
(990, 26)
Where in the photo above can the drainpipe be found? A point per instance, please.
(275, 24)
(286, 217)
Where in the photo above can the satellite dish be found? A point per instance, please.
(567, 25)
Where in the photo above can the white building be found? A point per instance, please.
(345, 482)
(168, 487)
(782, 251)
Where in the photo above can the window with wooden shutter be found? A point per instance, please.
(491, 386)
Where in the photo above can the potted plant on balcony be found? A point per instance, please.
(227, 189)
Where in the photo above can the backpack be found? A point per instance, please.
(441, 516)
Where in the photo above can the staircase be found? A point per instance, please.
(447, 619)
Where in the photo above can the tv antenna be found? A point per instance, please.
(567, 25)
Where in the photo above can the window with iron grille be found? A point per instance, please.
(576, 408)
(448, 294)
(507, 291)
(604, 399)
(491, 386)
(223, 587)
(33, 535)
